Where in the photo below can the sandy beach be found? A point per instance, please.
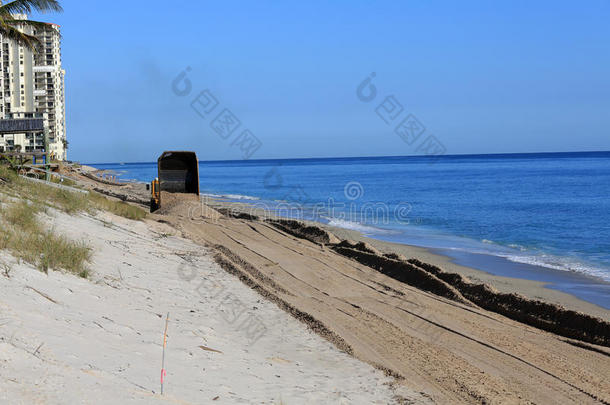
(529, 288)
(305, 203)
(343, 322)
(64, 339)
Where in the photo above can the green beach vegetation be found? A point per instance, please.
(64, 200)
(26, 237)
(28, 240)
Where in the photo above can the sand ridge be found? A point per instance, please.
(443, 344)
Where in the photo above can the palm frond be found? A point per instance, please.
(27, 6)
(30, 23)
(12, 33)
(39, 25)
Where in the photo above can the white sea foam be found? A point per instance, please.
(517, 254)
(559, 263)
(520, 254)
(512, 245)
(356, 226)
(231, 196)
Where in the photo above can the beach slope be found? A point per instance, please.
(424, 332)
(65, 339)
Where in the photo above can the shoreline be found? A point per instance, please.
(574, 289)
(505, 283)
(508, 282)
(432, 330)
(585, 287)
(534, 289)
(560, 270)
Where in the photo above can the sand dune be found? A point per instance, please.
(67, 340)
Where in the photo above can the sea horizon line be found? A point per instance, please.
(422, 157)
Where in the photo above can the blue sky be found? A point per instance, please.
(482, 77)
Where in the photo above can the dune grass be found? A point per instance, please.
(25, 237)
(22, 215)
(67, 201)
(119, 208)
(21, 232)
(64, 181)
(6, 174)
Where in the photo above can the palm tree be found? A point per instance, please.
(9, 23)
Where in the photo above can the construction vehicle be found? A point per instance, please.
(178, 172)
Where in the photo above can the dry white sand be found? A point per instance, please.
(66, 340)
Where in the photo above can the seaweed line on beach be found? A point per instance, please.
(546, 316)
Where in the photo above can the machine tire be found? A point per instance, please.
(153, 205)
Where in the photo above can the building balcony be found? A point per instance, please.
(45, 69)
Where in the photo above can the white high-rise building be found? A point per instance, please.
(32, 86)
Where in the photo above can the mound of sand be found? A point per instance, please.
(186, 205)
(407, 318)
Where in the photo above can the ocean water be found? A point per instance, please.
(548, 210)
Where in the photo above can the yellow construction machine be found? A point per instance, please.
(178, 172)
